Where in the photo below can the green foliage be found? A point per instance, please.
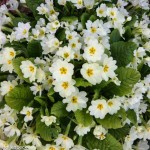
(47, 133)
(83, 118)
(69, 19)
(115, 36)
(122, 52)
(128, 77)
(84, 17)
(19, 96)
(109, 143)
(80, 82)
(59, 109)
(131, 115)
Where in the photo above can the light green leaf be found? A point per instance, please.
(47, 133)
(34, 49)
(16, 64)
(69, 19)
(59, 109)
(122, 52)
(131, 115)
(128, 77)
(110, 121)
(109, 143)
(82, 82)
(19, 96)
(83, 118)
(115, 36)
(84, 17)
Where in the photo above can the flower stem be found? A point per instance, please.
(68, 128)
(6, 29)
(80, 140)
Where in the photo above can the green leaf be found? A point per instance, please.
(19, 96)
(122, 52)
(93, 18)
(34, 49)
(33, 4)
(81, 82)
(120, 133)
(131, 23)
(109, 143)
(84, 17)
(115, 36)
(83, 118)
(16, 20)
(69, 19)
(40, 100)
(128, 33)
(16, 64)
(47, 133)
(59, 109)
(128, 77)
(110, 121)
(131, 115)
(60, 34)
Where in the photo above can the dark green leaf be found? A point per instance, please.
(34, 49)
(19, 96)
(83, 118)
(59, 110)
(132, 116)
(84, 17)
(115, 36)
(122, 52)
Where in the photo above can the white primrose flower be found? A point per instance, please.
(31, 138)
(22, 31)
(91, 72)
(3, 39)
(76, 101)
(82, 130)
(62, 2)
(93, 52)
(48, 120)
(75, 44)
(99, 108)
(143, 145)
(28, 69)
(7, 86)
(40, 75)
(61, 70)
(100, 132)
(11, 130)
(64, 141)
(113, 106)
(50, 147)
(78, 147)
(89, 3)
(27, 111)
(36, 88)
(109, 66)
(8, 53)
(65, 88)
(78, 3)
(66, 53)
(102, 10)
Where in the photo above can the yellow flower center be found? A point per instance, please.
(52, 148)
(112, 13)
(92, 50)
(31, 68)
(70, 37)
(102, 136)
(89, 72)
(74, 99)
(80, 2)
(28, 113)
(100, 106)
(24, 31)
(42, 33)
(64, 137)
(73, 45)
(110, 103)
(66, 55)
(106, 68)
(93, 29)
(63, 70)
(10, 88)
(52, 12)
(65, 85)
(101, 11)
(12, 54)
(9, 62)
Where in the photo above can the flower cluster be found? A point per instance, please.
(74, 74)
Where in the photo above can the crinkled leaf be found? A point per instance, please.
(59, 109)
(128, 77)
(47, 133)
(83, 118)
(115, 36)
(109, 143)
(82, 82)
(122, 52)
(34, 49)
(132, 116)
(19, 96)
